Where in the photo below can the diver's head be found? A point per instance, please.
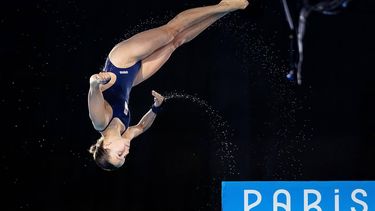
(109, 153)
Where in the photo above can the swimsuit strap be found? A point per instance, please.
(107, 124)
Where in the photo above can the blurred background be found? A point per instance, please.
(250, 124)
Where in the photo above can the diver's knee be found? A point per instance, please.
(170, 31)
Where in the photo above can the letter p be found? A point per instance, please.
(248, 206)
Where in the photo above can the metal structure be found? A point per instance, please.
(327, 7)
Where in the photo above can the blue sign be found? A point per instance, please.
(299, 196)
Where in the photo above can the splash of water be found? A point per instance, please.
(225, 149)
(221, 130)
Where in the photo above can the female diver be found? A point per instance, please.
(131, 62)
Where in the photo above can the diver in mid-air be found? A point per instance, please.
(131, 62)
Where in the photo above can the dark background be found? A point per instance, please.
(274, 130)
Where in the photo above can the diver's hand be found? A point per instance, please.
(100, 78)
(158, 98)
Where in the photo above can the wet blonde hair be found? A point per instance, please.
(101, 156)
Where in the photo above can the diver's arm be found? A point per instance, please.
(147, 120)
(143, 125)
(97, 110)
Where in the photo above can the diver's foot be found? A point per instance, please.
(235, 4)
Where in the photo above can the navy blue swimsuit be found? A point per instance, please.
(118, 94)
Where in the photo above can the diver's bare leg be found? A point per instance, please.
(145, 43)
(152, 63)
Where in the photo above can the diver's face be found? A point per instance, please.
(118, 149)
